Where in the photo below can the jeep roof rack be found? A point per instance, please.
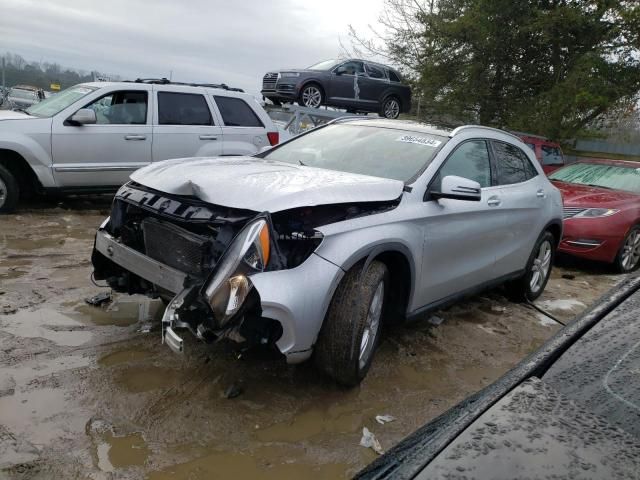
(166, 81)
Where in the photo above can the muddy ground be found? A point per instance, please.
(90, 392)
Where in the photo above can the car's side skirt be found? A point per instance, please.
(444, 302)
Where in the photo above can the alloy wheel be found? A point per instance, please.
(312, 96)
(540, 267)
(631, 251)
(3, 193)
(372, 325)
(391, 108)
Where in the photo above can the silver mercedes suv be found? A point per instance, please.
(311, 246)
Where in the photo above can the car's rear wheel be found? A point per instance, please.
(538, 270)
(628, 257)
(311, 96)
(9, 191)
(390, 108)
(351, 330)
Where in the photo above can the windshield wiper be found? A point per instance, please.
(598, 186)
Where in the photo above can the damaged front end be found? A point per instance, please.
(201, 258)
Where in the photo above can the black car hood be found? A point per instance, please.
(536, 432)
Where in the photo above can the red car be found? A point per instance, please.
(548, 153)
(601, 211)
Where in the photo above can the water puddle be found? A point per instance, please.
(563, 304)
(122, 311)
(129, 355)
(116, 452)
(48, 324)
(261, 464)
(146, 378)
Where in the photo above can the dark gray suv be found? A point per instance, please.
(353, 84)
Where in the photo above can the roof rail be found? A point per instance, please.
(456, 131)
(166, 81)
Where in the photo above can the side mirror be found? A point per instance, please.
(341, 70)
(458, 188)
(84, 116)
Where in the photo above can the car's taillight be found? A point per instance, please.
(274, 138)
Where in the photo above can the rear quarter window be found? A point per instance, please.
(393, 76)
(236, 112)
(183, 109)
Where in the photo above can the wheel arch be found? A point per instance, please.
(27, 179)
(316, 82)
(555, 227)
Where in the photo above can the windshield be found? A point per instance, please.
(52, 105)
(551, 155)
(600, 175)
(366, 150)
(24, 94)
(325, 65)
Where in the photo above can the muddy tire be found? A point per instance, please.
(531, 285)
(351, 329)
(9, 191)
(628, 257)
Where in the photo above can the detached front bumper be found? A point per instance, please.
(297, 298)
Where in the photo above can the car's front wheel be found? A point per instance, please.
(351, 329)
(538, 270)
(628, 257)
(311, 96)
(9, 191)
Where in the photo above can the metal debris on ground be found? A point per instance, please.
(99, 299)
(382, 419)
(369, 440)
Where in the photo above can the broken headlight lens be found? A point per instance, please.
(248, 254)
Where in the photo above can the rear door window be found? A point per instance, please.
(551, 155)
(513, 165)
(375, 72)
(183, 109)
(469, 160)
(236, 112)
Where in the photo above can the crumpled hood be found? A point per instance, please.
(11, 115)
(263, 185)
(574, 195)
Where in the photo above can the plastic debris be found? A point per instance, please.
(382, 419)
(99, 299)
(369, 440)
(435, 320)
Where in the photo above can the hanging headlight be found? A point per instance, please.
(248, 254)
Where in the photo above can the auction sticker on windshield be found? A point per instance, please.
(427, 142)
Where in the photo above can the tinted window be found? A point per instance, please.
(375, 72)
(379, 152)
(121, 108)
(236, 113)
(470, 160)
(513, 164)
(183, 109)
(393, 76)
(353, 68)
(551, 155)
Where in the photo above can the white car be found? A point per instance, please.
(91, 137)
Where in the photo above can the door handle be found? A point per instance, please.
(208, 137)
(494, 202)
(541, 194)
(135, 137)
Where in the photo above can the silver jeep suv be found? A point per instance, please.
(310, 246)
(91, 137)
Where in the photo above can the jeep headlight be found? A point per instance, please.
(230, 283)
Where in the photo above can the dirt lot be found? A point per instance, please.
(90, 392)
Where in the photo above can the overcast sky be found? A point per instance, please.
(229, 41)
